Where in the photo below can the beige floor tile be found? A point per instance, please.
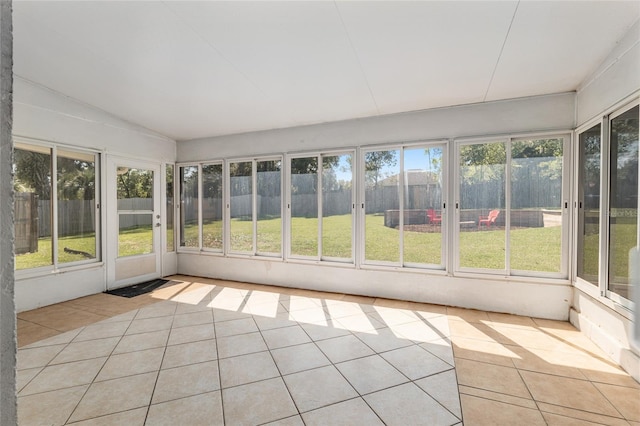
(582, 415)
(361, 300)
(64, 376)
(131, 363)
(467, 315)
(269, 400)
(203, 409)
(323, 331)
(360, 322)
(101, 331)
(499, 397)
(415, 362)
(37, 357)
(245, 369)
(189, 353)
(567, 392)
(477, 331)
(270, 323)
(625, 400)
(311, 316)
(282, 337)
(319, 387)
(192, 333)
(49, 408)
(392, 316)
(370, 374)
(491, 377)
(127, 316)
(383, 340)
(189, 380)
(235, 327)
(419, 331)
(23, 377)
(240, 345)
(603, 372)
(344, 348)
(289, 421)
(58, 339)
(135, 417)
(408, 405)
(32, 333)
(440, 348)
(140, 342)
(484, 351)
(78, 351)
(147, 325)
(113, 396)
(192, 296)
(160, 309)
(534, 339)
(341, 308)
(443, 388)
(293, 359)
(548, 362)
(557, 420)
(352, 412)
(221, 315)
(479, 411)
(194, 318)
(509, 320)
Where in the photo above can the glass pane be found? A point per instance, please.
(589, 204)
(171, 246)
(189, 206)
(304, 206)
(536, 205)
(241, 206)
(32, 208)
(135, 189)
(482, 202)
(337, 206)
(135, 234)
(422, 205)
(623, 200)
(382, 206)
(211, 206)
(269, 206)
(76, 206)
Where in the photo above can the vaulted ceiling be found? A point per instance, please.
(197, 69)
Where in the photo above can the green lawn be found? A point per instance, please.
(532, 249)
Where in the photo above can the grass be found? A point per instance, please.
(532, 249)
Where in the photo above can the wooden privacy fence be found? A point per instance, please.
(26, 223)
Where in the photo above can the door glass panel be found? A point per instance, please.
(269, 207)
(536, 205)
(382, 206)
(304, 206)
(212, 206)
(422, 205)
(623, 199)
(589, 204)
(189, 206)
(337, 205)
(76, 206)
(32, 207)
(135, 234)
(169, 189)
(482, 203)
(135, 211)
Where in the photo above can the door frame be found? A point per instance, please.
(116, 265)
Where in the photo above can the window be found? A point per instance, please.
(269, 207)
(169, 189)
(403, 206)
(589, 147)
(623, 198)
(511, 211)
(241, 201)
(189, 207)
(321, 207)
(135, 211)
(55, 228)
(212, 229)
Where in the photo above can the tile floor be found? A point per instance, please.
(201, 351)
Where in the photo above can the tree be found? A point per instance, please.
(33, 172)
(375, 161)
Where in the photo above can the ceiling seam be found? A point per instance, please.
(504, 43)
(355, 52)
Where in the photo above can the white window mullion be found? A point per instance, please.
(254, 205)
(319, 195)
(605, 177)
(507, 206)
(200, 231)
(54, 207)
(401, 205)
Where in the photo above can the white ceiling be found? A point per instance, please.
(197, 69)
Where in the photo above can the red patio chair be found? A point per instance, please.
(434, 217)
(487, 221)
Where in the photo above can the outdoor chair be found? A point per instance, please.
(434, 217)
(487, 221)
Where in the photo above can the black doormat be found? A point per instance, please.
(137, 289)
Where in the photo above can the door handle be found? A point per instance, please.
(158, 224)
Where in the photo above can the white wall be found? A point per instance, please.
(40, 113)
(607, 324)
(539, 298)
